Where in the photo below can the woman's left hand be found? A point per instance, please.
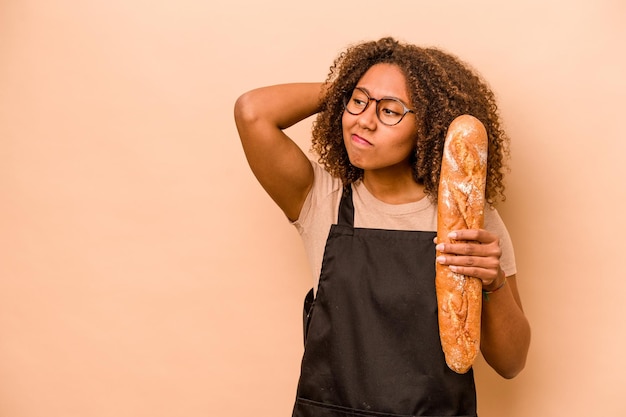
(475, 253)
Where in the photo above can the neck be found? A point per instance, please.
(393, 188)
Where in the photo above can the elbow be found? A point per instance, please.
(518, 363)
(508, 367)
(245, 110)
(510, 360)
(511, 372)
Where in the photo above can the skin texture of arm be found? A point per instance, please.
(279, 164)
(505, 331)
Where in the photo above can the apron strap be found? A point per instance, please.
(346, 208)
(309, 300)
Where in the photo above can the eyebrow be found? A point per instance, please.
(383, 97)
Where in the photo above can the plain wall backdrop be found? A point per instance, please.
(144, 272)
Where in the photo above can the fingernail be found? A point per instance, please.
(441, 259)
(439, 247)
(452, 235)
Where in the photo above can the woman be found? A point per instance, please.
(367, 214)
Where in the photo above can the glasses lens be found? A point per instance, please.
(390, 111)
(357, 102)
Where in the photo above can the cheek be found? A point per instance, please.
(409, 141)
(406, 147)
(345, 126)
(413, 132)
(345, 120)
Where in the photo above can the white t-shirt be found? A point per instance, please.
(321, 208)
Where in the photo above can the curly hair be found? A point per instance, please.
(440, 86)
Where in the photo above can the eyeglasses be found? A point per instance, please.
(389, 110)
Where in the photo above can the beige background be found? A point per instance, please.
(143, 271)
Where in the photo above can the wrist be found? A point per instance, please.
(496, 285)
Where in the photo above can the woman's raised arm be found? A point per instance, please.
(278, 163)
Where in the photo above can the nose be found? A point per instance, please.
(368, 119)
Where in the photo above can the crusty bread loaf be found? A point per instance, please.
(461, 203)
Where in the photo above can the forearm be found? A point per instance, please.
(505, 334)
(280, 105)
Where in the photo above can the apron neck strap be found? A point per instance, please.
(346, 208)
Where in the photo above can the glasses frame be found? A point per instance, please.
(347, 98)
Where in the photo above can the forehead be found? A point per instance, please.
(385, 80)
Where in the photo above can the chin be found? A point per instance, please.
(356, 163)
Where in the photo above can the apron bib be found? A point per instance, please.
(372, 343)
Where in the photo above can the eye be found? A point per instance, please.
(358, 101)
(391, 108)
(389, 112)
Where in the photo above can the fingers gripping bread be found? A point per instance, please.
(461, 203)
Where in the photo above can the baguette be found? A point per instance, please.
(461, 204)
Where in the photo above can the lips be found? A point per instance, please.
(361, 141)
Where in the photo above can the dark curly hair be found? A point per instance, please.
(440, 86)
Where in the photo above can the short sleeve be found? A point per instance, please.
(494, 224)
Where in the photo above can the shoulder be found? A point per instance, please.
(493, 221)
(323, 198)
